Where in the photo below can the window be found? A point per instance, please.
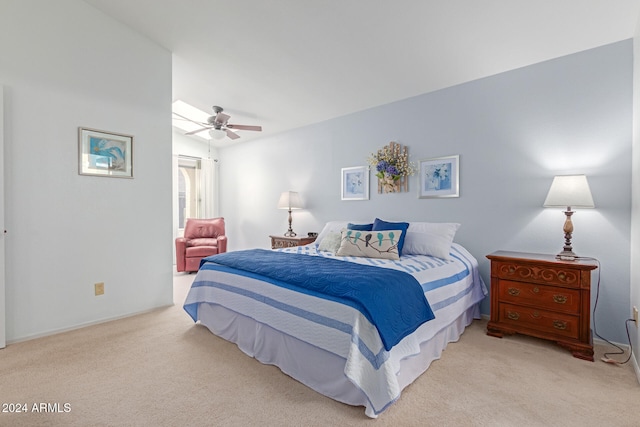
(189, 197)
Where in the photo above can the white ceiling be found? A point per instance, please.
(284, 64)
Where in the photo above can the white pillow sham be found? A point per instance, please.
(335, 227)
(330, 227)
(430, 238)
(330, 243)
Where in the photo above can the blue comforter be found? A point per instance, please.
(391, 300)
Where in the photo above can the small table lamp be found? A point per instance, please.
(569, 191)
(290, 200)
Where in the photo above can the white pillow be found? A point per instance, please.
(370, 244)
(330, 243)
(430, 238)
(334, 227)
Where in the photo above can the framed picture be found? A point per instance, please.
(439, 177)
(103, 153)
(355, 183)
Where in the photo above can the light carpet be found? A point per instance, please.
(159, 369)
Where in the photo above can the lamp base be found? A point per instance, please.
(290, 232)
(567, 256)
(567, 253)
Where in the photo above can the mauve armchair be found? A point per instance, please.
(202, 238)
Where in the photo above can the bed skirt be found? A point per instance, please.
(319, 369)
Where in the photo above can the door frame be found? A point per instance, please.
(3, 308)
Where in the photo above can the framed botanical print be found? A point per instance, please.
(439, 177)
(355, 183)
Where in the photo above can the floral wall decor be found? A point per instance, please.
(393, 168)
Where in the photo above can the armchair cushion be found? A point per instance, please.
(204, 241)
(201, 251)
(198, 228)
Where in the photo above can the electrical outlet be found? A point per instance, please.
(635, 315)
(99, 288)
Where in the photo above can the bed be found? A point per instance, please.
(357, 347)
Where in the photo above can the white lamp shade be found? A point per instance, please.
(290, 200)
(217, 133)
(569, 191)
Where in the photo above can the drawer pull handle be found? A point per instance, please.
(562, 276)
(560, 299)
(559, 324)
(512, 315)
(512, 269)
(536, 290)
(514, 291)
(535, 314)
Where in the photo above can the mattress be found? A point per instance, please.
(306, 337)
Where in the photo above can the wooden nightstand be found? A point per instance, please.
(541, 296)
(288, 242)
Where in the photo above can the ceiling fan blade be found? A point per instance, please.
(190, 120)
(198, 130)
(222, 118)
(231, 134)
(245, 127)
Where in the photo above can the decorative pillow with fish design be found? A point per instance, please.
(370, 244)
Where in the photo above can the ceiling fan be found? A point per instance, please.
(219, 125)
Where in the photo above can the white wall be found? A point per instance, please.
(635, 211)
(513, 132)
(191, 146)
(3, 337)
(66, 65)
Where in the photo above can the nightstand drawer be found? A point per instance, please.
(277, 244)
(545, 297)
(540, 320)
(532, 273)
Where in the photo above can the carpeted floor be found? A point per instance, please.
(159, 369)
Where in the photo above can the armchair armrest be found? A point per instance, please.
(181, 247)
(222, 244)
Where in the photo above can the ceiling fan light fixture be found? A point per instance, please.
(217, 134)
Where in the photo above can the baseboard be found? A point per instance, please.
(636, 368)
(83, 325)
(599, 341)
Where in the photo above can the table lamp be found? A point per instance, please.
(290, 200)
(569, 191)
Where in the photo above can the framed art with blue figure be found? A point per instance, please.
(102, 153)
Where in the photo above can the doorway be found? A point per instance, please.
(194, 191)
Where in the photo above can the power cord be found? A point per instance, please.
(606, 357)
